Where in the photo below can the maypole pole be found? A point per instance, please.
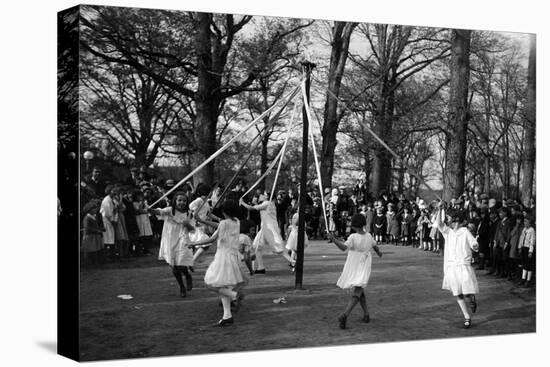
(306, 69)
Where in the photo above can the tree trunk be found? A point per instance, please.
(530, 125)
(368, 169)
(381, 174)
(341, 33)
(487, 175)
(206, 104)
(458, 114)
(506, 164)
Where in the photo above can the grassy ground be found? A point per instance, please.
(404, 298)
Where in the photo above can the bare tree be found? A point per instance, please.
(530, 125)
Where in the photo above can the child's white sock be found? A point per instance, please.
(463, 307)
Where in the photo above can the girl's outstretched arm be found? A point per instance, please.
(206, 222)
(338, 243)
(154, 211)
(206, 241)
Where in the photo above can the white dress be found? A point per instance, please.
(183, 254)
(458, 275)
(292, 240)
(224, 271)
(142, 220)
(173, 225)
(109, 217)
(268, 238)
(357, 268)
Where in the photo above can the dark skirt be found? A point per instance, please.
(528, 263)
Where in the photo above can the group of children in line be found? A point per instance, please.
(115, 227)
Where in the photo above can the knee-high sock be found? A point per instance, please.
(463, 307)
(529, 275)
(259, 262)
(226, 303)
(524, 274)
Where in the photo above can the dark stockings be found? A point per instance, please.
(178, 271)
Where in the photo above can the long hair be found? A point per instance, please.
(173, 202)
(231, 208)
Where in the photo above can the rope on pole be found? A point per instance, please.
(317, 167)
(279, 157)
(281, 160)
(223, 148)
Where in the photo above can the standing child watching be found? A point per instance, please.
(356, 273)
(527, 246)
(145, 231)
(514, 255)
(392, 226)
(121, 233)
(369, 216)
(109, 215)
(405, 227)
(379, 224)
(458, 275)
(92, 237)
(424, 225)
(224, 273)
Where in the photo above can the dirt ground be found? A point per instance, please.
(404, 297)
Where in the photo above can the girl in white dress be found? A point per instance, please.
(224, 273)
(458, 275)
(292, 238)
(268, 239)
(357, 269)
(109, 215)
(142, 221)
(183, 256)
(175, 218)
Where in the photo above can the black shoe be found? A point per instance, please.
(260, 271)
(342, 321)
(183, 292)
(467, 323)
(225, 322)
(366, 319)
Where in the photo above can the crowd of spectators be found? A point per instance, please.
(117, 223)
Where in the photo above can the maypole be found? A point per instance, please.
(306, 68)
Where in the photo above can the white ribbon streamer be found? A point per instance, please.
(279, 157)
(222, 149)
(317, 167)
